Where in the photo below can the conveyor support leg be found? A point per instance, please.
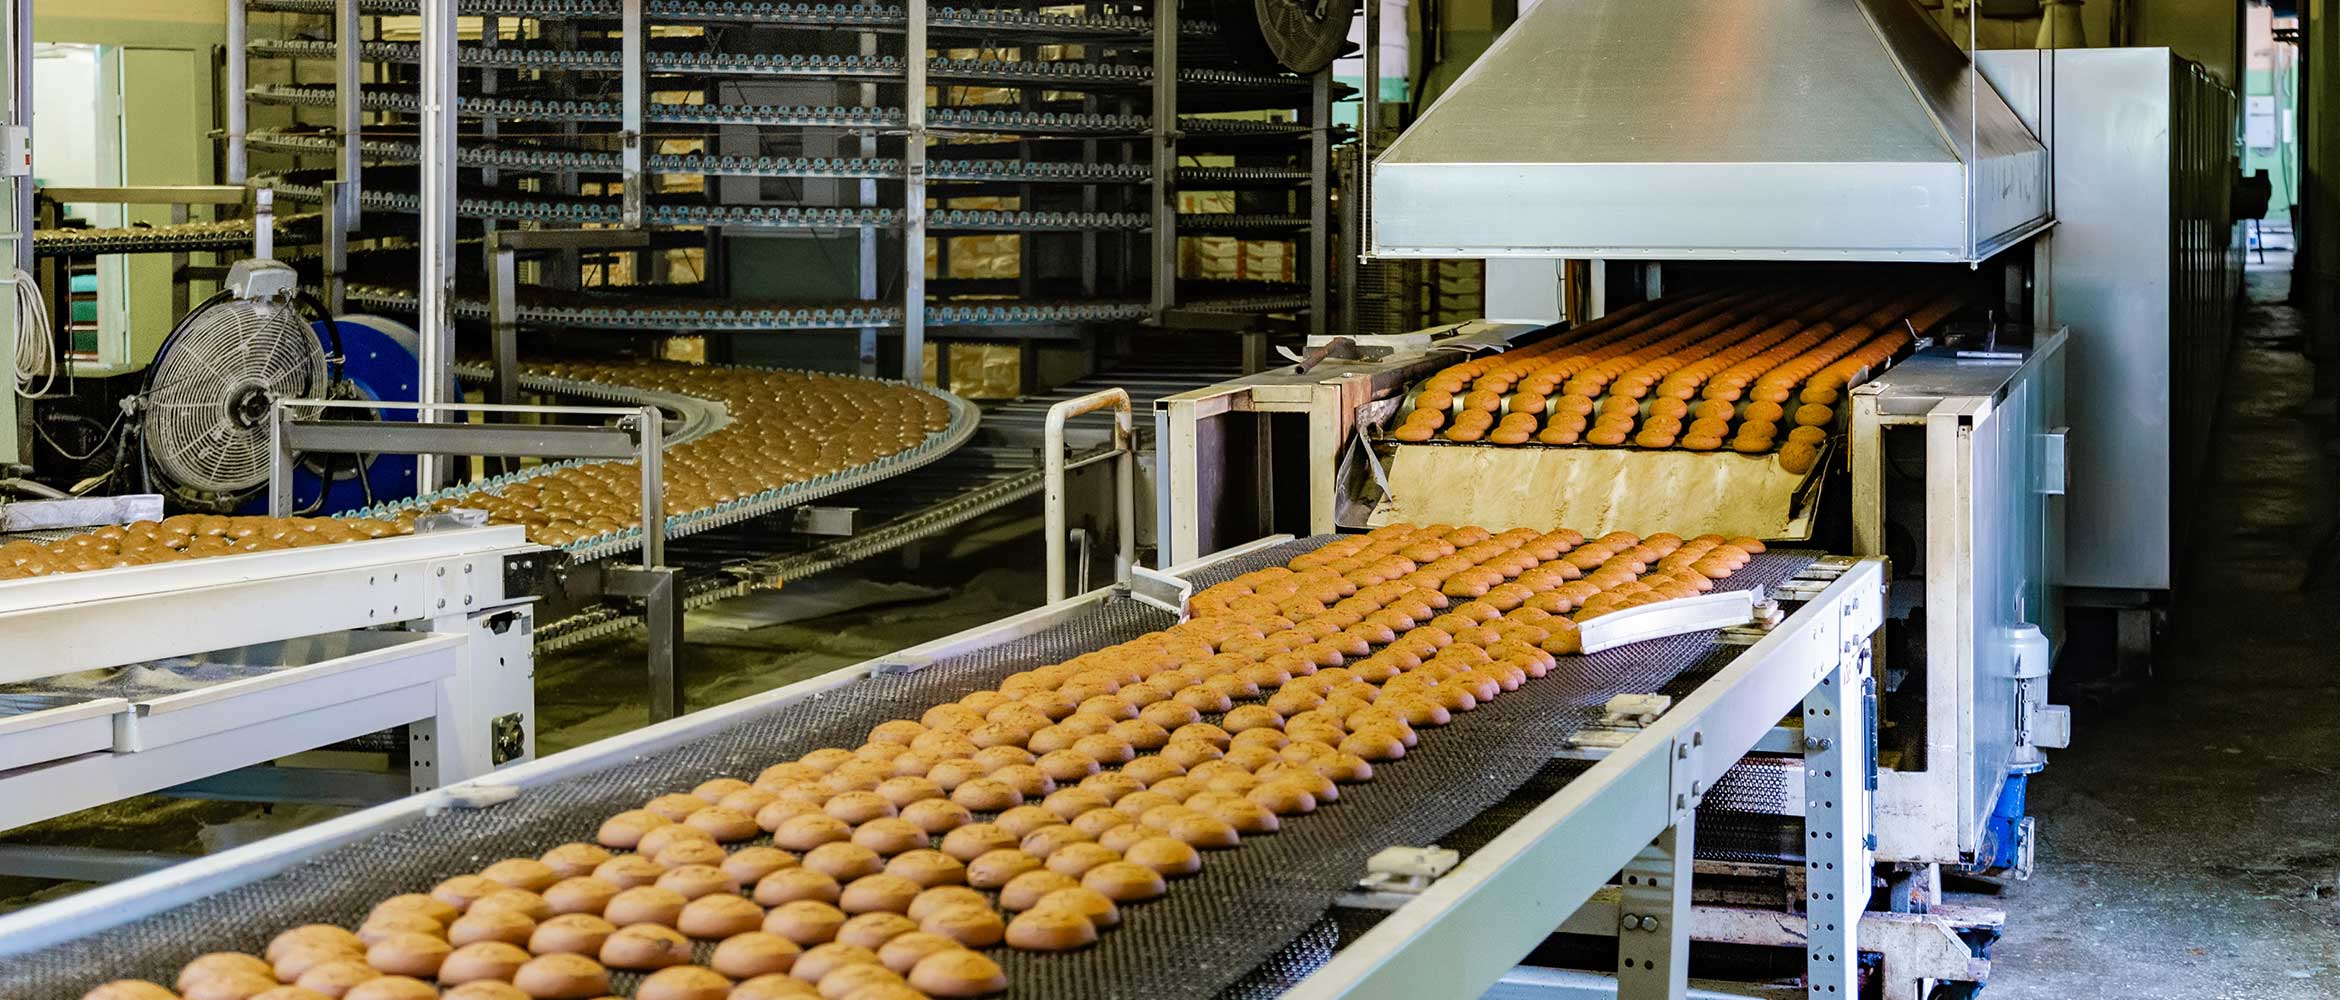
(486, 710)
(1837, 850)
(656, 587)
(1653, 917)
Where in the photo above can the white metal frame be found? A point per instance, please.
(79, 621)
(447, 585)
(1054, 467)
(1633, 813)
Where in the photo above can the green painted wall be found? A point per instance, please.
(2281, 162)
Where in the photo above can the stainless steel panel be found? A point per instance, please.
(1828, 129)
(1992, 541)
(2005, 543)
(2142, 267)
(2112, 285)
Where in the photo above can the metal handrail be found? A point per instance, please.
(261, 197)
(639, 434)
(1124, 450)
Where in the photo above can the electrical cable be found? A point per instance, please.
(36, 341)
(104, 437)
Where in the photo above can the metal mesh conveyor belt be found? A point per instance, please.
(1211, 931)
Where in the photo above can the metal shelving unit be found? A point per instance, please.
(866, 127)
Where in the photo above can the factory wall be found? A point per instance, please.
(2270, 109)
(158, 84)
(2206, 31)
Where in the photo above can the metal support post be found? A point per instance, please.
(435, 282)
(867, 236)
(1653, 916)
(264, 223)
(490, 82)
(348, 106)
(20, 115)
(238, 81)
(1839, 757)
(1369, 115)
(1319, 202)
(650, 432)
(1124, 483)
(503, 319)
(655, 583)
(914, 193)
(179, 300)
(1090, 153)
(1352, 252)
(1164, 235)
(656, 587)
(632, 100)
(503, 251)
(336, 247)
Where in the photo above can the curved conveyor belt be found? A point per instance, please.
(699, 418)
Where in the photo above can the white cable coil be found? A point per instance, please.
(36, 343)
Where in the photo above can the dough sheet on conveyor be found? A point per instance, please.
(1216, 929)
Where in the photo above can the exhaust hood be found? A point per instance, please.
(1714, 129)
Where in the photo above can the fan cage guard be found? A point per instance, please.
(205, 424)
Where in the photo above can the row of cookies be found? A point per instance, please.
(1081, 822)
(785, 427)
(1725, 368)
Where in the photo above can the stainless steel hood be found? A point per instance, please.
(1757, 129)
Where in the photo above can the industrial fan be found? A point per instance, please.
(1299, 35)
(202, 414)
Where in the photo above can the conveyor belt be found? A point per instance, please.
(1233, 222)
(991, 221)
(732, 316)
(801, 116)
(696, 423)
(805, 15)
(1269, 303)
(234, 234)
(970, 483)
(1213, 930)
(1001, 468)
(480, 154)
(574, 211)
(1243, 176)
(1006, 72)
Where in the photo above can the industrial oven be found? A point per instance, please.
(1964, 461)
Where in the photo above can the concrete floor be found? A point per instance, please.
(2190, 837)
